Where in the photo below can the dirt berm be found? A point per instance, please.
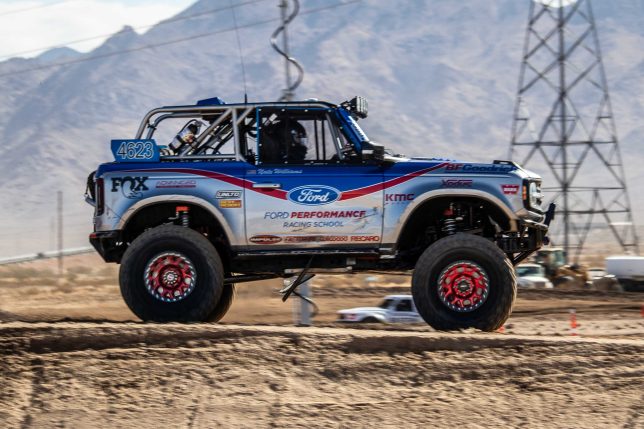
(152, 376)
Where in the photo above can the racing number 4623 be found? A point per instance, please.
(136, 150)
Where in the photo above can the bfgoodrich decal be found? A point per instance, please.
(313, 195)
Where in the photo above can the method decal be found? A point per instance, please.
(457, 183)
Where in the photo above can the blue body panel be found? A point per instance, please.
(309, 206)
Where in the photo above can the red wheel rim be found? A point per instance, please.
(170, 277)
(463, 286)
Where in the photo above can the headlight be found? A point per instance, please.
(534, 197)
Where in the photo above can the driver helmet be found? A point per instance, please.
(299, 142)
(298, 134)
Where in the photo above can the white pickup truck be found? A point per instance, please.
(393, 309)
(629, 271)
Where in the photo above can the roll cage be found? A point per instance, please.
(240, 125)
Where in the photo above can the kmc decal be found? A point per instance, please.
(313, 195)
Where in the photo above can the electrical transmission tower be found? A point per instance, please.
(564, 129)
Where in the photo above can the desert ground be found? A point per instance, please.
(72, 355)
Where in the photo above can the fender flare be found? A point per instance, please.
(179, 199)
(394, 235)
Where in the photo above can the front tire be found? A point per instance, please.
(224, 304)
(171, 273)
(464, 281)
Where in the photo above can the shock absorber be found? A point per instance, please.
(449, 226)
(182, 215)
(449, 223)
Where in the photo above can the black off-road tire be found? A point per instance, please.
(199, 304)
(370, 319)
(224, 304)
(494, 311)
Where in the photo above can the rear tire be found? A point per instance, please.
(171, 274)
(464, 281)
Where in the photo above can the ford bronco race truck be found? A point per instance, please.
(253, 191)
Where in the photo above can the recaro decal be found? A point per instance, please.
(313, 195)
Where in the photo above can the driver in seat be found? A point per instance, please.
(284, 141)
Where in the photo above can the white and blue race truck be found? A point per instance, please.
(252, 191)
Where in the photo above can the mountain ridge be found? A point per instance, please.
(440, 76)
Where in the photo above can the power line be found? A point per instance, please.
(56, 3)
(171, 42)
(142, 27)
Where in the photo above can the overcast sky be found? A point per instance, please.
(34, 24)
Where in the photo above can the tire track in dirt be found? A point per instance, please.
(201, 375)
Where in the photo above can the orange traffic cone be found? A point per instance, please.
(573, 322)
(501, 330)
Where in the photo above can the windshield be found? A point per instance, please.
(523, 271)
(386, 303)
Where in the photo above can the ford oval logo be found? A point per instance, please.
(313, 195)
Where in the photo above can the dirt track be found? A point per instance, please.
(101, 369)
(135, 375)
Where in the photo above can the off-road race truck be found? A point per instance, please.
(253, 191)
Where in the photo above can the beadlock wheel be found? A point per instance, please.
(463, 286)
(170, 277)
(172, 274)
(464, 281)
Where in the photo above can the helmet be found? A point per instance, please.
(298, 145)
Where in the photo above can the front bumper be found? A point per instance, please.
(108, 244)
(530, 237)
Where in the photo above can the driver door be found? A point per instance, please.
(312, 198)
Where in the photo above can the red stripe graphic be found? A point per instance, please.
(355, 193)
(281, 194)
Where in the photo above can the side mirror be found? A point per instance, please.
(373, 151)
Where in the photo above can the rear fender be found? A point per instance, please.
(233, 239)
